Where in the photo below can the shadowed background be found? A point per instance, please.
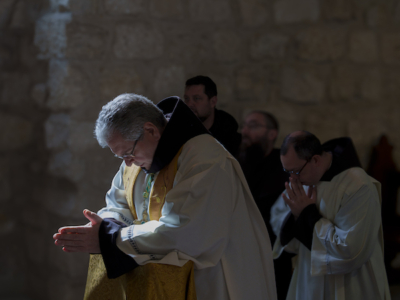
(330, 67)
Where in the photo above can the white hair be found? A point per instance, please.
(127, 114)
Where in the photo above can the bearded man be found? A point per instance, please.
(262, 168)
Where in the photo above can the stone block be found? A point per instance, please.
(254, 12)
(57, 131)
(19, 19)
(58, 197)
(302, 86)
(354, 85)
(16, 132)
(391, 86)
(378, 16)
(252, 84)
(210, 11)
(7, 59)
(183, 47)
(293, 11)
(6, 8)
(15, 89)
(138, 41)
(365, 127)
(50, 35)
(343, 84)
(167, 9)
(36, 242)
(338, 10)
(268, 45)
(114, 81)
(363, 47)
(169, 81)
(59, 5)
(396, 17)
(101, 167)
(6, 191)
(68, 86)
(371, 85)
(12, 260)
(66, 165)
(391, 48)
(81, 137)
(227, 46)
(86, 41)
(92, 196)
(326, 122)
(39, 94)
(320, 45)
(79, 7)
(34, 217)
(126, 7)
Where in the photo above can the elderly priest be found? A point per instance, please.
(180, 221)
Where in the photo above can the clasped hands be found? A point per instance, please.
(298, 199)
(83, 238)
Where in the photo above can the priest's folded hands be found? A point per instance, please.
(83, 238)
(297, 199)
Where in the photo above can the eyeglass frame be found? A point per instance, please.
(298, 172)
(253, 126)
(129, 155)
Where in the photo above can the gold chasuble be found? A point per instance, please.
(150, 281)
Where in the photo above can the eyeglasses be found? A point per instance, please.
(252, 126)
(298, 172)
(130, 155)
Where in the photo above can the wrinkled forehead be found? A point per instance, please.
(290, 160)
(255, 117)
(195, 89)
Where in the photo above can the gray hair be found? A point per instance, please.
(127, 114)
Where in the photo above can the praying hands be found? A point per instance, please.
(298, 199)
(80, 238)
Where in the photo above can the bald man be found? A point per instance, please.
(330, 216)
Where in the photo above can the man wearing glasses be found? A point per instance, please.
(262, 168)
(329, 215)
(180, 221)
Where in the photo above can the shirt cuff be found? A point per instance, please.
(287, 231)
(304, 229)
(116, 262)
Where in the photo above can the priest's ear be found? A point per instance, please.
(317, 159)
(213, 101)
(272, 134)
(152, 130)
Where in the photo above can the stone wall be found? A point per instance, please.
(330, 67)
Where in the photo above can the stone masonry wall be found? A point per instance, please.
(330, 67)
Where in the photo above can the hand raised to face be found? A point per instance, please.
(297, 198)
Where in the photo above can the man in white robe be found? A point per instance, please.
(208, 217)
(330, 216)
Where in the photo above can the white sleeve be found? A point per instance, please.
(341, 246)
(196, 216)
(117, 206)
